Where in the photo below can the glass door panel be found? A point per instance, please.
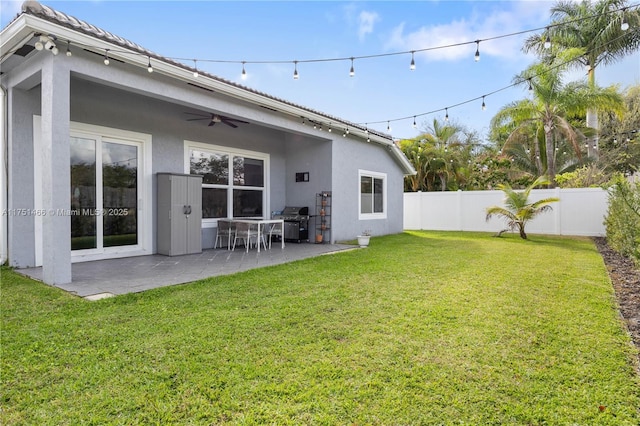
(119, 194)
(83, 194)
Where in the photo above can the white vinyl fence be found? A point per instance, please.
(580, 211)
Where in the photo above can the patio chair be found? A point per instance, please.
(247, 232)
(275, 229)
(225, 231)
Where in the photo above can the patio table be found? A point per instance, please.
(261, 223)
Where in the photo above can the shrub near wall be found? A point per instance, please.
(623, 218)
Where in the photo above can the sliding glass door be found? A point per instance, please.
(105, 180)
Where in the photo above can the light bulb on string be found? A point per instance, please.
(530, 89)
(195, 66)
(446, 115)
(244, 72)
(69, 54)
(624, 26)
(106, 57)
(352, 71)
(149, 67)
(414, 122)
(477, 55)
(413, 62)
(547, 41)
(388, 127)
(484, 106)
(295, 70)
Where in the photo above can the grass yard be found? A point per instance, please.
(419, 328)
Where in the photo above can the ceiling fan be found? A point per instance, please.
(216, 118)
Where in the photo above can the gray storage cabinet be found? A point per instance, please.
(179, 214)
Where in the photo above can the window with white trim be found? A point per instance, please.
(233, 182)
(373, 194)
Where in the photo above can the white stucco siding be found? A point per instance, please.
(350, 156)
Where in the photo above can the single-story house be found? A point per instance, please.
(91, 120)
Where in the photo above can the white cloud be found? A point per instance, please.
(477, 25)
(366, 21)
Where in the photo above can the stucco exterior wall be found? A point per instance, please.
(23, 104)
(349, 156)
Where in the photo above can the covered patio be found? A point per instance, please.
(105, 278)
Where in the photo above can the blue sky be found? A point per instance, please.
(383, 88)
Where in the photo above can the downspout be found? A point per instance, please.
(4, 177)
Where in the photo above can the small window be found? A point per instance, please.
(373, 195)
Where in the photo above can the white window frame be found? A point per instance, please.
(219, 149)
(375, 175)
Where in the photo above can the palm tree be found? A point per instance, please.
(546, 121)
(596, 28)
(436, 156)
(518, 211)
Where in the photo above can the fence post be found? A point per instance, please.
(558, 212)
(459, 208)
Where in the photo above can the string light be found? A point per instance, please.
(244, 72)
(624, 26)
(69, 54)
(195, 66)
(484, 106)
(547, 41)
(295, 70)
(446, 115)
(388, 127)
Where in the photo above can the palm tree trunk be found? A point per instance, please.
(592, 120)
(551, 157)
(523, 235)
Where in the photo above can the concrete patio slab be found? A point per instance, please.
(104, 278)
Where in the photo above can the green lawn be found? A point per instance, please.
(419, 328)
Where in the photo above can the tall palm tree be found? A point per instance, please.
(546, 119)
(518, 211)
(596, 28)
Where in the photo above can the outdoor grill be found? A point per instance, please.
(296, 223)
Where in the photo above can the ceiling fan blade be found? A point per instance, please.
(197, 114)
(237, 121)
(229, 123)
(197, 119)
(212, 123)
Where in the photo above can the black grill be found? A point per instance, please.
(296, 223)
